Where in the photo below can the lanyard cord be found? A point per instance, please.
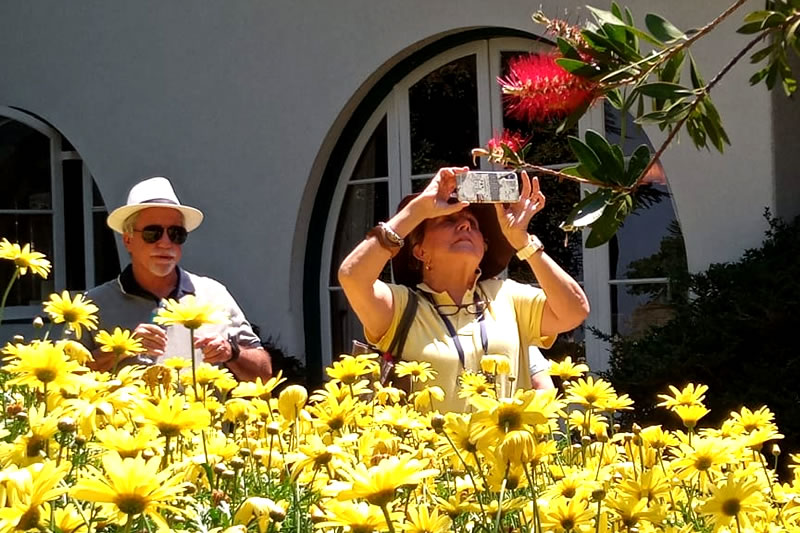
(451, 330)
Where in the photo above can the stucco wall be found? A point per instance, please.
(239, 103)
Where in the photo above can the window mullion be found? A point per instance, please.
(402, 112)
(59, 239)
(485, 81)
(88, 226)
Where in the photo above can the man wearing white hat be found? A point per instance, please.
(154, 225)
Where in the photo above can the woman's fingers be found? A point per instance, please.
(526, 185)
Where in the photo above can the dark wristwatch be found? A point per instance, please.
(235, 349)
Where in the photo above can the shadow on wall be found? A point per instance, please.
(293, 369)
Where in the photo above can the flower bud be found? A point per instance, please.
(38, 322)
(227, 474)
(237, 463)
(586, 440)
(219, 468)
(598, 494)
(18, 339)
(245, 452)
(273, 428)
(776, 450)
(148, 454)
(66, 424)
(437, 422)
(79, 440)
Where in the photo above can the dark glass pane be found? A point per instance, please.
(73, 224)
(565, 249)
(650, 243)
(373, 162)
(106, 259)
(548, 148)
(36, 230)
(444, 117)
(97, 198)
(345, 325)
(24, 167)
(363, 207)
(635, 308)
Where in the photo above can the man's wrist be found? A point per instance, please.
(236, 350)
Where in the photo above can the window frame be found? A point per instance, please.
(58, 156)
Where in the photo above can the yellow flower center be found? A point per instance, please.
(29, 520)
(381, 497)
(131, 504)
(169, 430)
(731, 507)
(70, 316)
(508, 418)
(703, 463)
(568, 524)
(45, 375)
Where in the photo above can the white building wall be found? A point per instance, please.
(240, 102)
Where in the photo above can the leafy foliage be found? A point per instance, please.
(737, 335)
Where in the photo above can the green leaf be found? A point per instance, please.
(579, 68)
(757, 16)
(749, 28)
(587, 157)
(672, 68)
(605, 17)
(611, 169)
(697, 79)
(663, 90)
(567, 49)
(587, 211)
(772, 75)
(774, 20)
(572, 120)
(614, 98)
(603, 228)
(637, 163)
(662, 29)
(758, 76)
(763, 53)
(616, 11)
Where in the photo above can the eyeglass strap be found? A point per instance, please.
(451, 330)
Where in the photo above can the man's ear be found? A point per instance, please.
(126, 240)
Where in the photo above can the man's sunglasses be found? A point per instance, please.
(151, 234)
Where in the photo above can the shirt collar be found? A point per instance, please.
(129, 285)
(444, 298)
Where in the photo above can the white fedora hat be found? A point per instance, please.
(153, 192)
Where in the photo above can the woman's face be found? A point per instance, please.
(454, 237)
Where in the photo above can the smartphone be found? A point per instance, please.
(486, 187)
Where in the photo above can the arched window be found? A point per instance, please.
(432, 117)
(49, 200)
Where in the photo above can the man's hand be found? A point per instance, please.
(215, 348)
(153, 338)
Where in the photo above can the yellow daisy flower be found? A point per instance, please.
(418, 370)
(563, 515)
(497, 365)
(171, 417)
(258, 388)
(125, 443)
(567, 370)
(356, 517)
(691, 394)
(77, 313)
(590, 393)
(34, 486)
(493, 418)
(133, 486)
(41, 364)
(291, 401)
(475, 385)
(690, 414)
(121, 343)
(421, 520)
(25, 258)
(349, 369)
(734, 500)
(378, 484)
(189, 313)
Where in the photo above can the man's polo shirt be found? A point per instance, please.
(513, 321)
(124, 303)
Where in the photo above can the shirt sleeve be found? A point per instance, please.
(238, 326)
(399, 302)
(529, 306)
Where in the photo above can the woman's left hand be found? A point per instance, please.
(514, 219)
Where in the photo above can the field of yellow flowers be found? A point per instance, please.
(187, 448)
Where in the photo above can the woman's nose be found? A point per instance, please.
(464, 225)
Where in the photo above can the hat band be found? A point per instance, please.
(160, 201)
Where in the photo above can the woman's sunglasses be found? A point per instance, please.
(152, 234)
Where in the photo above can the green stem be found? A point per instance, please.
(6, 292)
(500, 499)
(194, 365)
(128, 524)
(388, 518)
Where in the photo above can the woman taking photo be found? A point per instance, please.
(450, 253)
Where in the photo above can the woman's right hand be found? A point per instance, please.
(435, 200)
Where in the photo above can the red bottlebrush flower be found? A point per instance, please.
(514, 140)
(538, 89)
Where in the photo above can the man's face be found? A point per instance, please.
(161, 257)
